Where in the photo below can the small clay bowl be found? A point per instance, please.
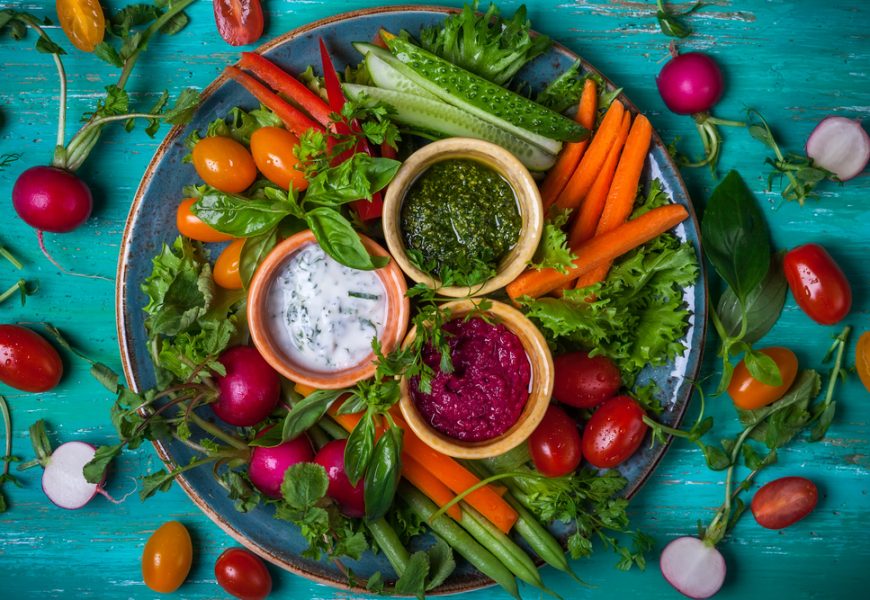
(502, 162)
(541, 362)
(398, 310)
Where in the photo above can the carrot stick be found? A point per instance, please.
(571, 154)
(577, 188)
(599, 250)
(282, 82)
(423, 479)
(590, 211)
(623, 190)
(294, 119)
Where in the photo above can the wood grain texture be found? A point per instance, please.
(794, 60)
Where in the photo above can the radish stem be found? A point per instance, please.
(11, 258)
(217, 432)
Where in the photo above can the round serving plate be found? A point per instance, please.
(151, 223)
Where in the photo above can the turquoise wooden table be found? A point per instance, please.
(794, 60)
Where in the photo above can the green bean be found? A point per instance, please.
(388, 541)
(481, 558)
(502, 547)
(332, 428)
(318, 437)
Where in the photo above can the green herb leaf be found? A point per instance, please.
(159, 481)
(359, 449)
(308, 411)
(95, 470)
(339, 240)
(356, 178)
(735, 236)
(304, 484)
(413, 580)
(441, 564)
(762, 368)
(716, 458)
(239, 216)
(254, 251)
(383, 474)
(763, 306)
(184, 108)
(553, 251)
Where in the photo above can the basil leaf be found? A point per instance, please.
(354, 179)
(339, 240)
(308, 411)
(735, 236)
(382, 476)
(238, 216)
(763, 306)
(254, 251)
(762, 368)
(353, 405)
(359, 448)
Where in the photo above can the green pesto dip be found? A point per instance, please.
(459, 219)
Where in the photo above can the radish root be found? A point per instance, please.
(102, 492)
(40, 237)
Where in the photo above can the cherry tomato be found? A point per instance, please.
(614, 432)
(167, 557)
(224, 163)
(272, 148)
(555, 444)
(27, 361)
(193, 227)
(817, 283)
(82, 21)
(226, 267)
(862, 359)
(239, 22)
(584, 381)
(748, 393)
(784, 501)
(242, 574)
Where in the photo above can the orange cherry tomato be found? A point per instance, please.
(272, 148)
(82, 21)
(167, 557)
(748, 393)
(194, 227)
(226, 267)
(862, 359)
(225, 164)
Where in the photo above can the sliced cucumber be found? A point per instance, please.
(434, 115)
(387, 77)
(487, 100)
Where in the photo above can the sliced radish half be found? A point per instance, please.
(695, 569)
(63, 481)
(839, 145)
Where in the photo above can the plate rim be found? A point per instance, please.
(122, 322)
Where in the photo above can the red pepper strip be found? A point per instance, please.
(294, 119)
(366, 209)
(283, 82)
(388, 151)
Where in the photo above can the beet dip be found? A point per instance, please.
(489, 385)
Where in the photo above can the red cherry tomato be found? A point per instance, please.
(555, 444)
(748, 393)
(195, 228)
(224, 163)
(817, 283)
(614, 432)
(239, 22)
(784, 501)
(242, 574)
(272, 148)
(584, 381)
(167, 557)
(27, 361)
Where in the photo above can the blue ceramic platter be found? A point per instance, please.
(151, 223)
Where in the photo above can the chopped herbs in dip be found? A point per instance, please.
(460, 217)
(323, 314)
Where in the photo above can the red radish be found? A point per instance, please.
(63, 481)
(690, 83)
(839, 145)
(249, 391)
(349, 497)
(268, 464)
(696, 569)
(51, 199)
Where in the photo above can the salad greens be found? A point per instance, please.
(553, 251)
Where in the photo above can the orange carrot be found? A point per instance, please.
(577, 188)
(423, 479)
(571, 154)
(590, 211)
(623, 190)
(599, 250)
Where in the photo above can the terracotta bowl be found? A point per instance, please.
(541, 390)
(398, 310)
(506, 165)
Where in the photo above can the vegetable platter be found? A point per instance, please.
(111, 538)
(152, 224)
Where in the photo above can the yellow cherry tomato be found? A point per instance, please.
(167, 557)
(862, 359)
(748, 393)
(194, 227)
(272, 148)
(225, 164)
(82, 21)
(226, 267)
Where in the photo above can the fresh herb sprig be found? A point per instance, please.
(7, 458)
(671, 23)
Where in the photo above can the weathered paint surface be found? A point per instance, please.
(795, 61)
